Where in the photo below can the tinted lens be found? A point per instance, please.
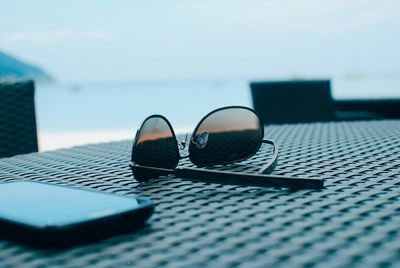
(155, 144)
(226, 135)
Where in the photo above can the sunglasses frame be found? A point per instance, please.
(224, 177)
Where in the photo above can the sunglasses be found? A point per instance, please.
(224, 136)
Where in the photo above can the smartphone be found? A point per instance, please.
(42, 214)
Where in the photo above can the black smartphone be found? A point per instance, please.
(43, 214)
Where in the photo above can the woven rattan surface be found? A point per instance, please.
(354, 221)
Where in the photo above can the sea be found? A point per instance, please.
(77, 114)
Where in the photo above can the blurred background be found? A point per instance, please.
(101, 67)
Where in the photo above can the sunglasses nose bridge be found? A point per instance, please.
(184, 146)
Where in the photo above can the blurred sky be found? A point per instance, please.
(81, 41)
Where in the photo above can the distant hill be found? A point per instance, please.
(12, 68)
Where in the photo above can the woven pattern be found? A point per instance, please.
(354, 221)
(17, 119)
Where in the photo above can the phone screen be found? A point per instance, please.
(41, 204)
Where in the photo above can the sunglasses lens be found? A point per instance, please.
(225, 136)
(155, 144)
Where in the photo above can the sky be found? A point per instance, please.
(98, 40)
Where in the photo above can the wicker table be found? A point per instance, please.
(354, 221)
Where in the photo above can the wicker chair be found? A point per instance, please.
(297, 101)
(17, 118)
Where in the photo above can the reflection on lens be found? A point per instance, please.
(225, 136)
(155, 144)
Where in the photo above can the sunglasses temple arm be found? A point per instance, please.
(154, 170)
(271, 164)
(239, 178)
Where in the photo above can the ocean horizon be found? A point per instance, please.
(75, 114)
